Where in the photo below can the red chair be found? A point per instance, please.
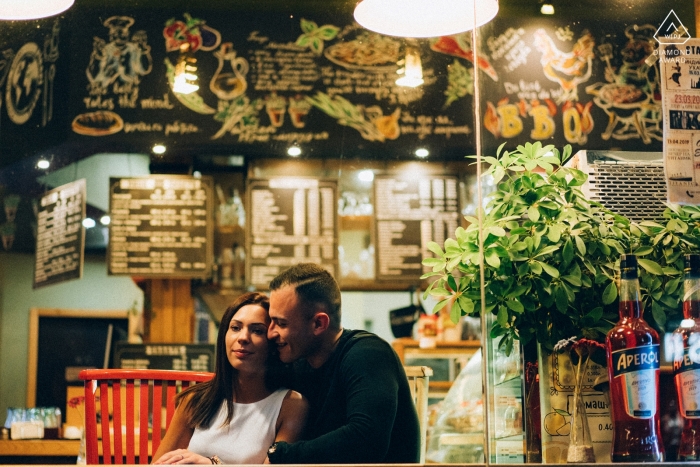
(117, 394)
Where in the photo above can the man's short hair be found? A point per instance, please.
(314, 286)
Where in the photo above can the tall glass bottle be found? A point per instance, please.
(632, 348)
(686, 362)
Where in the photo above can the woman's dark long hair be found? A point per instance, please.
(204, 399)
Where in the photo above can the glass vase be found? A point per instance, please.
(580, 445)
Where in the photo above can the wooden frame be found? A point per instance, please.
(33, 355)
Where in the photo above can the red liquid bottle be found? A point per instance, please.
(686, 362)
(632, 348)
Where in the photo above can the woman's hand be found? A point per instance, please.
(182, 456)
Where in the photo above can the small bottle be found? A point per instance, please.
(632, 348)
(686, 362)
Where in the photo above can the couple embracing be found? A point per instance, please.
(349, 400)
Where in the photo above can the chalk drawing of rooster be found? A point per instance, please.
(569, 69)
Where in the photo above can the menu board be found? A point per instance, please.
(161, 226)
(294, 221)
(410, 212)
(182, 357)
(60, 238)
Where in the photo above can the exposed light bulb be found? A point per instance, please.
(365, 175)
(294, 151)
(412, 70)
(547, 9)
(158, 149)
(422, 152)
(185, 80)
(105, 220)
(43, 164)
(89, 223)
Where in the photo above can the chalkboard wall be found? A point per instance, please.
(99, 79)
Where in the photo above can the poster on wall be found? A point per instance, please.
(161, 226)
(680, 77)
(60, 238)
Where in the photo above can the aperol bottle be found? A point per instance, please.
(632, 348)
(686, 362)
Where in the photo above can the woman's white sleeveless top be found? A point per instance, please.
(246, 439)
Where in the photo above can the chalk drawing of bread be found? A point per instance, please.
(99, 123)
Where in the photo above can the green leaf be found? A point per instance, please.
(609, 294)
(515, 306)
(573, 280)
(451, 282)
(455, 312)
(533, 213)
(551, 270)
(502, 316)
(651, 267)
(492, 259)
(595, 314)
(658, 313)
(466, 304)
(561, 299)
(568, 251)
(435, 248)
(580, 246)
(643, 250)
(536, 267)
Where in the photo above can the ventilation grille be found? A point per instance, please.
(636, 190)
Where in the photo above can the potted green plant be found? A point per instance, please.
(549, 253)
(550, 260)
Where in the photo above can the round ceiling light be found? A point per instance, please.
(32, 9)
(424, 18)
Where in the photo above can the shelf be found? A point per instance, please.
(39, 447)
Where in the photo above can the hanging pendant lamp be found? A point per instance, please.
(32, 9)
(424, 18)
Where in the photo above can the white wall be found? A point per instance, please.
(95, 291)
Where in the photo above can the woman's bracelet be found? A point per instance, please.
(215, 460)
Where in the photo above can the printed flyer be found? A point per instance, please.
(680, 84)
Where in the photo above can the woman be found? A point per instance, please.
(235, 417)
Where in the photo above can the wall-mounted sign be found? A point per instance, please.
(293, 220)
(60, 239)
(410, 212)
(161, 226)
(181, 357)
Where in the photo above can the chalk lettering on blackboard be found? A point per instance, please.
(181, 128)
(153, 103)
(255, 37)
(142, 127)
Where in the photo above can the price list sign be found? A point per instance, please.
(60, 238)
(180, 357)
(294, 220)
(409, 214)
(161, 226)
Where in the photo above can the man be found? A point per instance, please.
(361, 409)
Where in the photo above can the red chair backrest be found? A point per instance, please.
(112, 387)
